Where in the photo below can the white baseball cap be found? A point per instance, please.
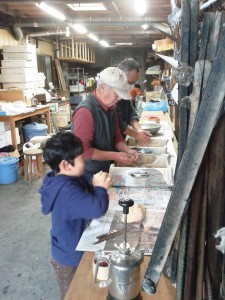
(117, 79)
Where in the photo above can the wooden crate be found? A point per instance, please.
(163, 45)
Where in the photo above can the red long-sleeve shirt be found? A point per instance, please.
(84, 128)
(135, 92)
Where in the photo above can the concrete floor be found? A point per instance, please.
(25, 270)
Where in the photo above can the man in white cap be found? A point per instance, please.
(95, 123)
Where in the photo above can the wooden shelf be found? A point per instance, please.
(76, 52)
(74, 59)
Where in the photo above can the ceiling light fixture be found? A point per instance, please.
(144, 26)
(104, 43)
(87, 6)
(140, 7)
(93, 37)
(80, 28)
(121, 44)
(51, 11)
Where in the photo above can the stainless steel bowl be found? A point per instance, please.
(153, 128)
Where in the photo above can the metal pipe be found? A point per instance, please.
(187, 172)
(46, 33)
(116, 22)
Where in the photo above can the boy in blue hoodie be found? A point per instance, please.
(73, 199)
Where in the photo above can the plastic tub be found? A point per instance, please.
(156, 106)
(34, 129)
(8, 170)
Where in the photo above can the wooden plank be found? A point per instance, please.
(82, 287)
(200, 251)
(74, 59)
(60, 75)
(194, 28)
(202, 71)
(213, 42)
(189, 283)
(215, 204)
(207, 24)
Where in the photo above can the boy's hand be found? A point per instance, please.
(102, 179)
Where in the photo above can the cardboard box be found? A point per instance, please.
(19, 85)
(20, 48)
(17, 63)
(153, 95)
(12, 95)
(4, 126)
(164, 44)
(15, 95)
(16, 78)
(6, 139)
(19, 56)
(18, 70)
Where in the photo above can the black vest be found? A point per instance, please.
(104, 132)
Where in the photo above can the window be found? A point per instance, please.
(45, 66)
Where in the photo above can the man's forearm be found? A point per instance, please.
(135, 125)
(103, 155)
(122, 147)
(131, 132)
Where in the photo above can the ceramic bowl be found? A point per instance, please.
(153, 128)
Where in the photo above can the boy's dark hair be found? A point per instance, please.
(128, 64)
(137, 85)
(62, 146)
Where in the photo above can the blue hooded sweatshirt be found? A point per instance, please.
(72, 201)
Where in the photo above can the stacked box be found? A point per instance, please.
(6, 139)
(19, 67)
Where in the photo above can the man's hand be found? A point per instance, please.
(126, 159)
(133, 153)
(143, 137)
(102, 179)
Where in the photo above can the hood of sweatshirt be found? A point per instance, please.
(49, 190)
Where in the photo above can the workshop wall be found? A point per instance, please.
(45, 48)
(6, 38)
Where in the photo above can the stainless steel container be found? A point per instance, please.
(125, 274)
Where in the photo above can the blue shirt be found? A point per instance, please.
(72, 202)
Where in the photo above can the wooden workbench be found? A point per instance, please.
(44, 110)
(82, 286)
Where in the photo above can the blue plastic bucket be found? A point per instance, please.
(8, 170)
(161, 105)
(34, 129)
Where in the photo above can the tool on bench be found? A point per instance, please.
(124, 270)
(108, 236)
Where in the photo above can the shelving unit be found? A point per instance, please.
(76, 80)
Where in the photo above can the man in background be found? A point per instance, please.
(127, 116)
(135, 91)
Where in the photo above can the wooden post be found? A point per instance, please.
(72, 45)
(61, 50)
(77, 51)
